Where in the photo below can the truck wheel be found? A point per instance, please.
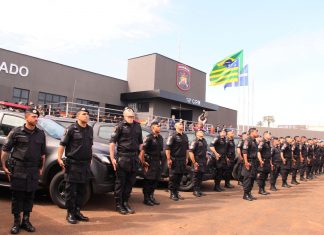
(57, 190)
(187, 180)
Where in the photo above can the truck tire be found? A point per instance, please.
(186, 183)
(57, 190)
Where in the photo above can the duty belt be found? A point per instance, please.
(77, 161)
(26, 164)
(134, 154)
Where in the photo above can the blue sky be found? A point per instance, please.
(283, 43)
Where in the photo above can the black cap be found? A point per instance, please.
(33, 111)
(155, 122)
(221, 129)
(229, 130)
(83, 109)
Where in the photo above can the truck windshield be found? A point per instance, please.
(51, 127)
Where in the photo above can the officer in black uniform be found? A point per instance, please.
(276, 163)
(322, 157)
(317, 157)
(198, 157)
(295, 160)
(77, 142)
(237, 171)
(219, 146)
(230, 157)
(27, 146)
(310, 160)
(249, 171)
(303, 158)
(264, 156)
(151, 159)
(128, 137)
(177, 154)
(286, 157)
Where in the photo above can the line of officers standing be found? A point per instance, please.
(256, 159)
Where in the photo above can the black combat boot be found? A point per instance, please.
(173, 196)
(273, 187)
(179, 196)
(228, 185)
(196, 193)
(247, 197)
(79, 216)
(261, 191)
(152, 198)
(202, 193)
(267, 193)
(70, 217)
(147, 200)
(25, 224)
(128, 208)
(285, 185)
(120, 208)
(16, 225)
(251, 196)
(218, 188)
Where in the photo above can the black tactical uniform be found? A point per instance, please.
(178, 145)
(317, 160)
(128, 137)
(310, 160)
(220, 146)
(303, 164)
(286, 149)
(295, 165)
(250, 148)
(78, 142)
(321, 159)
(230, 153)
(277, 164)
(26, 147)
(199, 149)
(264, 148)
(237, 170)
(152, 146)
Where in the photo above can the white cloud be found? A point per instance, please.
(40, 26)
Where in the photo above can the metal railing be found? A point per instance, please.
(102, 114)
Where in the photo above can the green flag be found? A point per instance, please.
(227, 70)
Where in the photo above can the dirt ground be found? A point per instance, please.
(298, 210)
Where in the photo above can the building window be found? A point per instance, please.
(87, 102)
(143, 106)
(47, 98)
(20, 95)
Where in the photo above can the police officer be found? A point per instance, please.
(230, 157)
(310, 160)
(218, 146)
(198, 157)
(303, 158)
(77, 142)
(264, 156)
(276, 163)
(249, 171)
(317, 157)
(237, 171)
(177, 148)
(286, 157)
(151, 160)
(128, 137)
(295, 160)
(27, 146)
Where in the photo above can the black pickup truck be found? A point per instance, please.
(103, 176)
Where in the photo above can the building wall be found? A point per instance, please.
(141, 73)
(165, 79)
(223, 116)
(58, 79)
